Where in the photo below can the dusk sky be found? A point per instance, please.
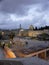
(24, 12)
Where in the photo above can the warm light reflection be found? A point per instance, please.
(9, 53)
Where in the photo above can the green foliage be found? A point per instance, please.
(9, 45)
(44, 36)
(0, 44)
(11, 35)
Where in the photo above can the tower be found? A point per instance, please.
(20, 26)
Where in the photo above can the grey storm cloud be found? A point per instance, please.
(25, 12)
(18, 6)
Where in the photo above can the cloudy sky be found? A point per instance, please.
(24, 12)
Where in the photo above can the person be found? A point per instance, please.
(26, 43)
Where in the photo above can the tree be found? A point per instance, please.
(11, 35)
(35, 28)
(0, 36)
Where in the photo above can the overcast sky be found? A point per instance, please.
(24, 12)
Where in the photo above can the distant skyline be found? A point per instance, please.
(24, 12)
